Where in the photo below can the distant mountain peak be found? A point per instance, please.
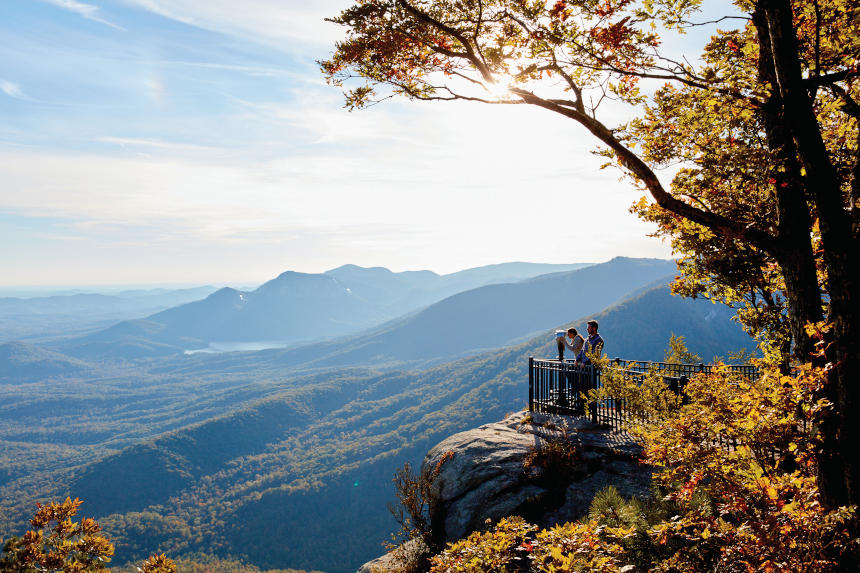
(226, 292)
(355, 269)
(639, 260)
(296, 276)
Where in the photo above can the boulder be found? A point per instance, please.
(482, 475)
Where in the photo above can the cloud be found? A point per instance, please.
(254, 71)
(88, 11)
(253, 158)
(275, 22)
(11, 89)
(156, 144)
(451, 203)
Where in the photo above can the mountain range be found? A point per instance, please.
(488, 317)
(292, 308)
(40, 318)
(280, 459)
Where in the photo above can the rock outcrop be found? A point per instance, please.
(483, 474)
(496, 470)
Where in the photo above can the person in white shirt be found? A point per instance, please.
(575, 343)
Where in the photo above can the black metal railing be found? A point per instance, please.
(679, 370)
(561, 387)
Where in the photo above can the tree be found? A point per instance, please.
(57, 543)
(158, 564)
(418, 541)
(763, 127)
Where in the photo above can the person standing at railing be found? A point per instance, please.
(576, 342)
(594, 345)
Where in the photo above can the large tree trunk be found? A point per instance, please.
(794, 246)
(838, 463)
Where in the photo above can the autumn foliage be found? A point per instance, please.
(746, 151)
(58, 543)
(735, 490)
(739, 469)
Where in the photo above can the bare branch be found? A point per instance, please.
(717, 21)
(690, 80)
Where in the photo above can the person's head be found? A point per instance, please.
(571, 332)
(592, 327)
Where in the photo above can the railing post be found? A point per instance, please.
(531, 384)
(593, 384)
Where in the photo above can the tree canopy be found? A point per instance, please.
(760, 129)
(58, 543)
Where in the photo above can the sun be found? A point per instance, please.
(500, 88)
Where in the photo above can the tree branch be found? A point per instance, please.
(829, 79)
(470, 51)
(717, 21)
(722, 225)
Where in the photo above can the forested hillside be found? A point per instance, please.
(280, 470)
(59, 315)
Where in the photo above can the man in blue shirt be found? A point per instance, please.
(593, 345)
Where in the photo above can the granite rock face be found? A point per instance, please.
(480, 475)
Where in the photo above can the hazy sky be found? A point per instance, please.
(193, 141)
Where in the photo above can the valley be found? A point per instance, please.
(278, 455)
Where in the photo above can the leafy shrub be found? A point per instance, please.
(580, 547)
(502, 550)
(412, 513)
(558, 457)
(748, 447)
(58, 543)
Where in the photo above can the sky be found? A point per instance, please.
(196, 141)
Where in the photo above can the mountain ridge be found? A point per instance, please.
(325, 443)
(490, 316)
(290, 309)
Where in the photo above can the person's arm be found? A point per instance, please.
(578, 343)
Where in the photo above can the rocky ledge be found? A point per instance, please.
(483, 474)
(497, 470)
